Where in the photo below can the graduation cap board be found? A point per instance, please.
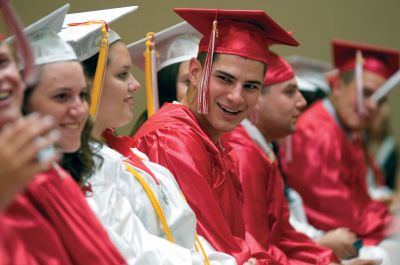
(175, 44)
(46, 45)
(85, 37)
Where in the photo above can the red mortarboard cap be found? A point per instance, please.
(382, 61)
(279, 70)
(246, 33)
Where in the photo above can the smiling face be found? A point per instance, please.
(11, 87)
(344, 98)
(117, 101)
(62, 93)
(235, 84)
(279, 108)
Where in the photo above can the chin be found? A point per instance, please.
(71, 148)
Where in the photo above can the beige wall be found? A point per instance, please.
(314, 22)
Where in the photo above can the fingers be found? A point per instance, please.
(23, 131)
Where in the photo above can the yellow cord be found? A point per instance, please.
(156, 205)
(149, 85)
(153, 200)
(99, 75)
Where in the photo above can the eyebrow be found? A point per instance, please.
(253, 82)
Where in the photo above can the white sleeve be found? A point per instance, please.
(127, 232)
(298, 218)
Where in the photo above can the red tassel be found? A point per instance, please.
(203, 91)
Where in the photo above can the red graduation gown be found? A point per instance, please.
(57, 226)
(266, 212)
(12, 249)
(329, 171)
(207, 175)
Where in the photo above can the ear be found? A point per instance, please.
(337, 84)
(195, 70)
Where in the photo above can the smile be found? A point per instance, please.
(5, 95)
(228, 110)
(71, 126)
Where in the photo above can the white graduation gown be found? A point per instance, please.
(119, 201)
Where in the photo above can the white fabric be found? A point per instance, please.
(298, 218)
(113, 184)
(257, 136)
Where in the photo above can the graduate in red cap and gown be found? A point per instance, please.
(328, 168)
(186, 138)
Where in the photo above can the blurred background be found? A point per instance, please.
(314, 23)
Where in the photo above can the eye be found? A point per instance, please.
(123, 75)
(4, 61)
(61, 97)
(290, 92)
(252, 87)
(186, 82)
(224, 79)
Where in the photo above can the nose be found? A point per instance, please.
(235, 95)
(133, 84)
(371, 106)
(301, 103)
(79, 108)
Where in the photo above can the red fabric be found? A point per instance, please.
(123, 144)
(278, 70)
(207, 176)
(329, 172)
(246, 33)
(266, 212)
(57, 226)
(382, 61)
(12, 249)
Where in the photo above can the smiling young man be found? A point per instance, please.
(328, 168)
(186, 138)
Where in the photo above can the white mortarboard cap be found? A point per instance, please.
(47, 47)
(175, 44)
(312, 71)
(305, 85)
(85, 39)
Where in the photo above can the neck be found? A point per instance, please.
(264, 132)
(98, 131)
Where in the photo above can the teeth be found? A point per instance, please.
(228, 110)
(4, 95)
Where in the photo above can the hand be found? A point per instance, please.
(251, 261)
(341, 241)
(18, 152)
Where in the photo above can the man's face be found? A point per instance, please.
(235, 84)
(279, 108)
(345, 98)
